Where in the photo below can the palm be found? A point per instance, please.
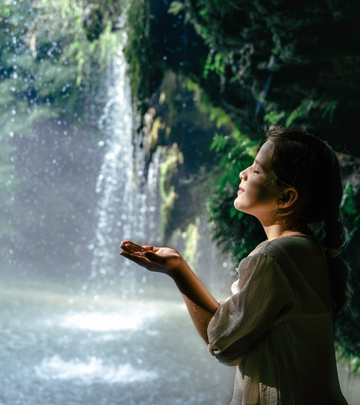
(165, 259)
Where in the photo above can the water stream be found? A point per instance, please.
(105, 339)
(126, 209)
(97, 342)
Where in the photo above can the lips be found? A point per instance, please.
(241, 190)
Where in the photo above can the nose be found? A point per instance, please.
(242, 175)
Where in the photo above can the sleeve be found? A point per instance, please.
(265, 296)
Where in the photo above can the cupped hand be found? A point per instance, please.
(163, 260)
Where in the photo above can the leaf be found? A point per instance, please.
(222, 180)
(302, 110)
(273, 117)
(233, 212)
(176, 7)
(330, 109)
(224, 120)
(240, 215)
(219, 143)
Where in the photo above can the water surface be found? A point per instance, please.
(62, 348)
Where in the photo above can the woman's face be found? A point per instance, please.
(256, 196)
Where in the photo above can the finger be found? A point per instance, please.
(141, 261)
(135, 245)
(130, 243)
(135, 257)
(131, 247)
(148, 247)
(125, 248)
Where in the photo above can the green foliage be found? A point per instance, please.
(235, 232)
(138, 52)
(348, 324)
(44, 57)
(285, 62)
(350, 208)
(214, 63)
(256, 63)
(176, 7)
(92, 33)
(301, 111)
(168, 170)
(346, 358)
(273, 117)
(49, 62)
(219, 143)
(191, 239)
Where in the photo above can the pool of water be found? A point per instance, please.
(64, 348)
(57, 348)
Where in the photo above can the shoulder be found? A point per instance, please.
(256, 264)
(291, 246)
(282, 253)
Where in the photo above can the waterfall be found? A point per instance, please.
(126, 210)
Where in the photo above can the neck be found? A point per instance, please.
(275, 231)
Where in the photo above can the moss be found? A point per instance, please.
(153, 136)
(168, 171)
(192, 238)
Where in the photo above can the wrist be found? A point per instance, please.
(181, 270)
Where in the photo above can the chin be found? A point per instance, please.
(238, 207)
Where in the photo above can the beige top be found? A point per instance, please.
(277, 327)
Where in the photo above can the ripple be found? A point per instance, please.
(93, 370)
(99, 321)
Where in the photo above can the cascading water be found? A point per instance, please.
(121, 346)
(64, 345)
(125, 210)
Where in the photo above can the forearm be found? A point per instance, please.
(200, 303)
(199, 316)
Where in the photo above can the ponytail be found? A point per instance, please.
(308, 164)
(338, 269)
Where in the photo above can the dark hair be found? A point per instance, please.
(308, 164)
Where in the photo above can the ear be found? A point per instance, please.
(288, 198)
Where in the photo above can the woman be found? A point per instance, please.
(277, 327)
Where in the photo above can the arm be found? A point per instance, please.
(265, 299)
(200, 303)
